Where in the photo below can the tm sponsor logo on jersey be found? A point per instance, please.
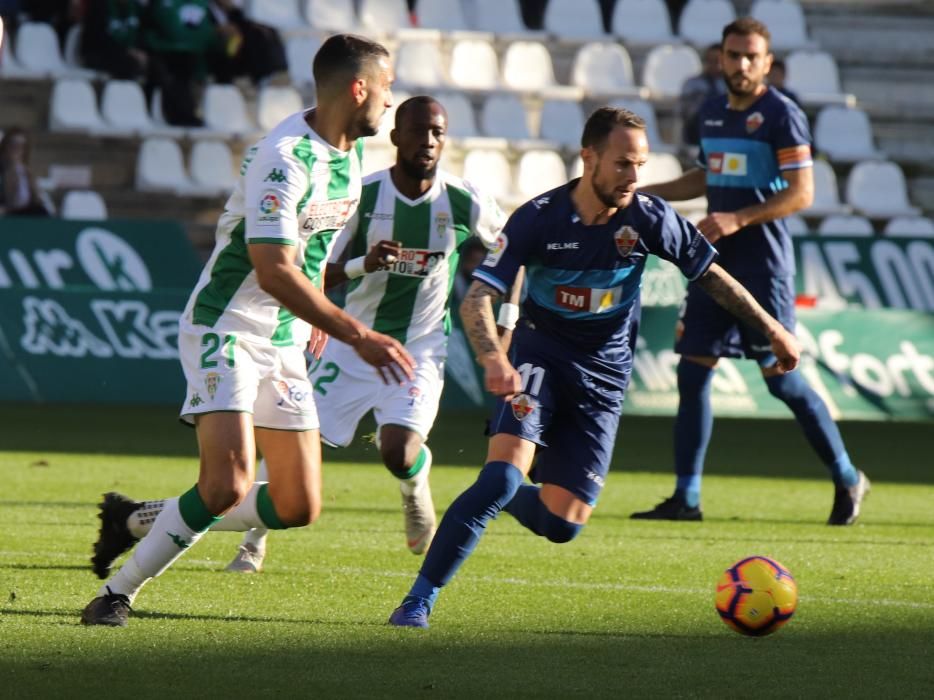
(269, 209)
(587, 299)
(727, 163)
(329, 215)
(417, 263)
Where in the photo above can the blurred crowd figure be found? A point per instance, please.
(776, 78)
(19, 193)
(696, 90)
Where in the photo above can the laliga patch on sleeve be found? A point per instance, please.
(496, 252)
(269, 209)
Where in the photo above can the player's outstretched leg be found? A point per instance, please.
(252, 548)
(123, 523)
(527, 507)
(850, 484)
(693, 427)
(460, 531)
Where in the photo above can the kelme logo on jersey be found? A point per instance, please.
(523, 405)
(413, 262)
(329, 215)
(496, 252)
(275, 175)
(269, 207)
(587, 299)
(727, 163)
(754, 121)
(626, 239)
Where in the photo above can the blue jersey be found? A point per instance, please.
(582, 280)
(744, 154)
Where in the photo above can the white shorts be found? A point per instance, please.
(346, 388)
(228, 373)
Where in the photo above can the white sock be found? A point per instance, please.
(167, 540)
(245, 516)
(141, 520)
(256, 537)
(416, 482)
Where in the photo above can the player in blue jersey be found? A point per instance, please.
(755, 168)
(584, 247)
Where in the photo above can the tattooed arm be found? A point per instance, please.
(736, 299)
(500, 377)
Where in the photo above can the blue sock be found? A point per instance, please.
(819, 428)
(528, 509)
(462, 526)
(693, 426)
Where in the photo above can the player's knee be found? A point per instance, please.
(499, 481)
(788, 387)
(559, 530)
(298, 512)
(222, 494)
(395, 457)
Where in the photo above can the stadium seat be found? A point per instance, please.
(527, 67)
(501, 17)
(388, 120)
(384, 16)
(72, 56)
(123, 107)
(785, 20)
(504, 116)
(446, 15)
(281, 14)
(662, 167)
(225, 110)
(73, 106)
(275, 103)
(418, 63)
(377, 157)
(160, 167)
(474, 65)
(844, 134)
(642, 22)
(797, 226)
(645, 110)
(9, 68)
(576, 168)
(37, 50)
(877, 189)
(604, 69)
(489, 168)
(331, 15)
(212, 167)
(702, 21)
(914, 226)
(826, 193)
(576, 20)
(538, 172)
(846, 225)
(462, 124)
(83, 205)
(666, 69)
(562, 121)
(300, 52)
(813, 75)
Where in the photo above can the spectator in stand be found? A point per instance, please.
(776, 79)
(247, 48)
(111, 40)
(696, 90)
(19, 193)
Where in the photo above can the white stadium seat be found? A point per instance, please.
(212, 166)
(389, 118)
(604, 69)
(37, 50)
(331, 15)
(527, 66)
(446, 15)
(797, 226)
(660, 167)
(74, 107)
(813, 75)
(642, 22)
(462, 124)
(490, 168)
(578, 20)
(384, 16)
(83, 205)
(826, 193)
(72, 56)
(538, 172)
(418, 63)
(377, 157)
(474, 65)
(275, 103)
(9, 68)
(123, 106)
(300, 52)
(225, 110)
(702, 21)
(160, 167)
(562, 121)
(915, 226)
(496, 17)
(504, 116)
(844, 134)
(667, 67)
(878, 189)
(846, 225)
(281, 14)
(645, 110)
(785, 20)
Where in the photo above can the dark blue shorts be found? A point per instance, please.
(570, 406)
(706, 328)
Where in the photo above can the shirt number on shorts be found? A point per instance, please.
(212, 343)
(330, 372)
(532, 378)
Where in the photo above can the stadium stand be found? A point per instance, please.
(331, 15)
(918, 226)
(604, 70)
(281, 14)
(645, 110)
(474, 65)
(702, 21)
(161, 166)
(826, 192)
(225, 111)
(275, 103)
(813, 75)
(667, 67)
(445, 15)
(785, 20)
(877, 189)
(123, 107)
(846, 225)
(561, 121)
(383, 17)
(539, 171)
(642, 22)
(300, 50)
(844, 135)
(419, 64)
(74, 107)
(574, 20)
(212, 167)
(84, 205)
(797, 226)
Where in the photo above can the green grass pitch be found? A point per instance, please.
(626, 610)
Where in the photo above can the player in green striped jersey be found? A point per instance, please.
(241, 333)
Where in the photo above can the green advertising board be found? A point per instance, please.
(89, 310)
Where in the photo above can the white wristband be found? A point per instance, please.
(354, 267)
(508, 315)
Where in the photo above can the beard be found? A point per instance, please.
(741, 92)
(607, 198)
(418, 172)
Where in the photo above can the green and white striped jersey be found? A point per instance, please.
(409, 301)
(294, 189)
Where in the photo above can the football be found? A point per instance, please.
(756, 596)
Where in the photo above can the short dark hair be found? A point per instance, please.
(345, 56)
(603, 121)
(746, 26)
(408, 104)
(780, 64)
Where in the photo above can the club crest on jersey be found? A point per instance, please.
(211, 380)
(441, 223)
(754, 121)
(496, 252)
(626, 239)
(523, 405)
